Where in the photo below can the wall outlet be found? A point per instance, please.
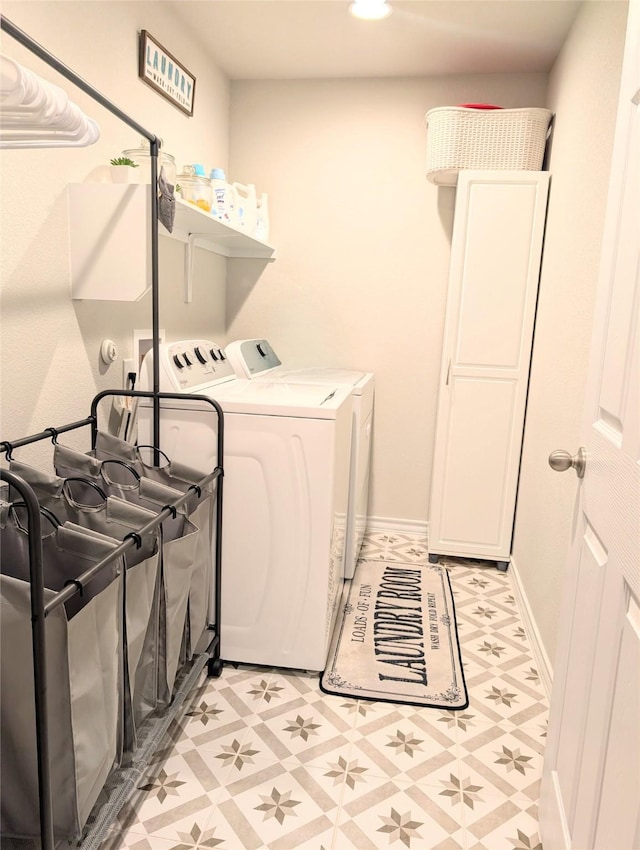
(128, 366)
(142, 343)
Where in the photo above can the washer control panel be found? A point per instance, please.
(187, 366)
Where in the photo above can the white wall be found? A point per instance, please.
(583, 91)
(363, 245)
(362, 239)
(50, 362)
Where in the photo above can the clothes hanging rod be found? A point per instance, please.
(45, 806)
(37, 49)
(154, 145)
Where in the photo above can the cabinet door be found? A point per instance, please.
(109, 241)
(493, 285)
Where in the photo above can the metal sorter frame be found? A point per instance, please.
(38, 608)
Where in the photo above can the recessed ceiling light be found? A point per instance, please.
(370, 10)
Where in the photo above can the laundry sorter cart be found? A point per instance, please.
(79, 633)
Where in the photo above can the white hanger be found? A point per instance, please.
(35, 113)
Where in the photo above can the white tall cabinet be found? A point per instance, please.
(494, 270)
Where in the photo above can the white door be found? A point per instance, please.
(590, 796)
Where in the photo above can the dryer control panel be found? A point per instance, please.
(187, 366)
(252, 357)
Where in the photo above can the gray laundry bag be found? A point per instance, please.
(116, 518)
(200, 510)
(179, 541)
(84, 654)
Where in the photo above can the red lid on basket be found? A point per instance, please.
(479, 106)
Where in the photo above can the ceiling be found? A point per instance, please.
(290, 39)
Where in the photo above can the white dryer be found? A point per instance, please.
(255, 359)
(285, 491)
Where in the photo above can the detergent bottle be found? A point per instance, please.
(224, 197)
(246, 207)
(262, 218)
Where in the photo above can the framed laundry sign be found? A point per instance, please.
(162, 71)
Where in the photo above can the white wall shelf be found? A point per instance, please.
(109, 242)
(214, 235)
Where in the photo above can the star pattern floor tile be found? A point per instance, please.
(261, 759)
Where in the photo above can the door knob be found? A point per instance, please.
(560, 460)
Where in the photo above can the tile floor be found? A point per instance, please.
(263, 759)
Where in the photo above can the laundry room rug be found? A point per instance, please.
(397, 638)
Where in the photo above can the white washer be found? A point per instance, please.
(256, 359)
(286, 470)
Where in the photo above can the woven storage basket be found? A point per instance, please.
(458, 137)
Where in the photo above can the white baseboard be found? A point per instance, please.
(554, 829)
(402, 526)
(543, 665)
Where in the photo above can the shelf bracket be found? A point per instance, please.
(188, 265)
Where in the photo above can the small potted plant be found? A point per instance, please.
(122, 170)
